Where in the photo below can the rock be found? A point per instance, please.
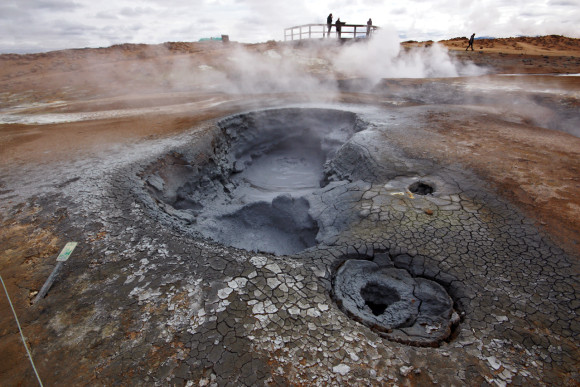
(493, 362)
(239, 167)
(342, 369)
(156, 182)
(258, 261)
(224, 293)
(183, 215)
(273, 282)
(405, 371)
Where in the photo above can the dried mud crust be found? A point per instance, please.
(513, 157)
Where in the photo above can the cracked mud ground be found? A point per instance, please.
(142, 301)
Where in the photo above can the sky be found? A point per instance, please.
(43, 25)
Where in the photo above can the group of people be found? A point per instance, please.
(339, 25)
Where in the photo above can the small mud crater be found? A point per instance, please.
(410, 310)
(421, 188)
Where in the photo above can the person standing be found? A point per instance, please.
(339, 25)
(470, 42)
(329, 23)
(369, 25)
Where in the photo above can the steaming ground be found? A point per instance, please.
(143, 301)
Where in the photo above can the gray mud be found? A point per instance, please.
(255, 191)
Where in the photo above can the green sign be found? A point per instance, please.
(66, 251)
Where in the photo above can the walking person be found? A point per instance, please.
(470, 42)
(329, 23)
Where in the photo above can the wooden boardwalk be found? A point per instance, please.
(320, 31)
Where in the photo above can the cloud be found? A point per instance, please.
(566, 3)
(67, 28)
(107, 15)
(136, 11)
(206, 20)
(28, 23)
(51, 5)
(12, 15)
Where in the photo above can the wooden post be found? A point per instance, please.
(61, 259)
(48, 283)
(309, 31)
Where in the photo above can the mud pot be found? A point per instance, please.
(254, 192)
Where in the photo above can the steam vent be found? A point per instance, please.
(256, 215)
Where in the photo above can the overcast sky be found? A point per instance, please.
(44, 25)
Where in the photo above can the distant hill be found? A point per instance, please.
(550, 45)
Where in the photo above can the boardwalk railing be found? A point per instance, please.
(317, 31)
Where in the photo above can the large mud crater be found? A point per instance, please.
(253, 190)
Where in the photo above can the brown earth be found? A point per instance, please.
(551, 54)
(552, 45)
(536, 169)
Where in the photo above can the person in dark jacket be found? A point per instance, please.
(339, 25)
(369, 25)
(470, 42)
(329, 23)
